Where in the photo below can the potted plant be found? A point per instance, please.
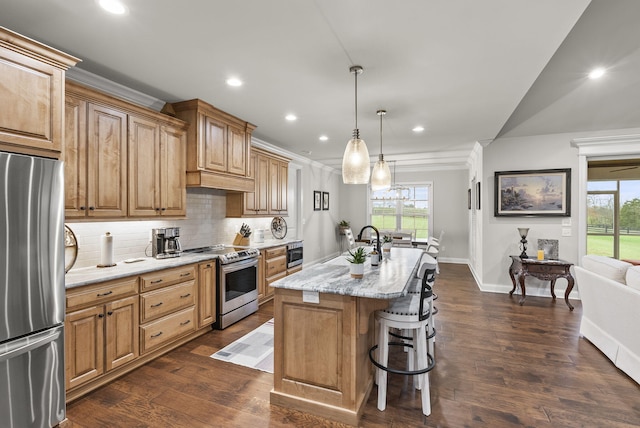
(358, 256)
(386, 245)
(343, 225)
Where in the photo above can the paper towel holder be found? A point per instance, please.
(100, 265)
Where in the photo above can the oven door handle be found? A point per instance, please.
(242, 264)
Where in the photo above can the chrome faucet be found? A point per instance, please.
(378, 249)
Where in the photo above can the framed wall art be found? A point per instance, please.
(469, 198)
(478, 195)
(325, 200)
(317, 200)
(545, 192)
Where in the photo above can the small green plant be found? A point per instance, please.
(358, 256)
(386, 239)
(343, 223)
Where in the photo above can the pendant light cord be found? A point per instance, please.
(356, 98)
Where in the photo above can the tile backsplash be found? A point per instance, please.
(205, 224)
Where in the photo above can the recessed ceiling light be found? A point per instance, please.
(291, 117)
(323, 138)
(306, 152)
(113, 6)
(233, 81)
(596, 73)
(418, 129)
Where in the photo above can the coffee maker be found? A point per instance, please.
(165, 242)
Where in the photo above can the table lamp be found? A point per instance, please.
(523, 241)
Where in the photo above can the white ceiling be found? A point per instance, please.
(467, 70)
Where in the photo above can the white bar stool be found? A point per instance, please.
(411, 313)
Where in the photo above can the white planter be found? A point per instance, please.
(386, 250)
(356, 270)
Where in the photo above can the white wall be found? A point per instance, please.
(500, 236)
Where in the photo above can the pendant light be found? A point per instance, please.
(355, 162)
(381, 174)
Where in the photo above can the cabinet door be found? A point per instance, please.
(173, 190)
(121, 332)
(283, 183)
(74, 155)
(144, 167)
(84, 345)
(107, 162)
(237, 155)
(215, 141)
(31, 96)
(262, 185)
(206, 294)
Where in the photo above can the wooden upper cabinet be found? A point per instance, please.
(31, 95)
(156, 169)
(269, 195)
(218, 147)
(74, 156)
(173, 191)
(144, 167)
(214, 145)
(121, 160)
(106, 162)
(237, 151)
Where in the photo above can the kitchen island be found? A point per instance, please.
(324, 327)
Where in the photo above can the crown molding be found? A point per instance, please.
(615, 145)
(295, 158)
(115, 89)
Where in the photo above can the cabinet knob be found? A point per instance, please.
(83, 208)
(156, 305)
(163, 209)
(100, 315)
(104, 294)
(157, 209)
(91, 208)
(156, 335)
(184, 296)
(110, 313)
(186, 322)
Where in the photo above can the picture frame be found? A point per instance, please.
(325, 201)
(478, 195)
(533, 193)
(317, 200)
(469, 198)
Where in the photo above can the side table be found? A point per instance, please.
(545, 270)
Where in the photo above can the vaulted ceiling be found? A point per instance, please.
(465, 70)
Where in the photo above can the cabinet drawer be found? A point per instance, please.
(164, 330)
(164, 301)
(545, 269)
(270, 253)
(294, 269)
(273, 278)
(153, 280)
(105, 292)
(275, 266)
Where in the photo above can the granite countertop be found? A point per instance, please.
(91, 275)
(386, 281)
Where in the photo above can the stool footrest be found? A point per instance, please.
(430, 360)
(399, 336)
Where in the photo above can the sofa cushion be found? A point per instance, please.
(606, 266)
(633, 277)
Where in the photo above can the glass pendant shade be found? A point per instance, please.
(381, 175)
(355, 162)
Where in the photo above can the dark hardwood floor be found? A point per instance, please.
(498, 364)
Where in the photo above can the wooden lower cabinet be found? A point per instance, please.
(206, 294)
(116, 326)
(100, 338)
(274, 267)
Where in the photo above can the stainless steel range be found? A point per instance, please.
(237, 281)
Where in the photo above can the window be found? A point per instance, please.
(404, 208)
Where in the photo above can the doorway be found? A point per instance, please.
(613, 208)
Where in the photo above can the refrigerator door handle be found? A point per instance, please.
(28, 344)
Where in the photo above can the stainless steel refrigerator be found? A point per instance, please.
(31, 291)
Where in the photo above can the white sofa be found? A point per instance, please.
(610, 294)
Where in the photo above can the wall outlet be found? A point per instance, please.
(566, 231)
